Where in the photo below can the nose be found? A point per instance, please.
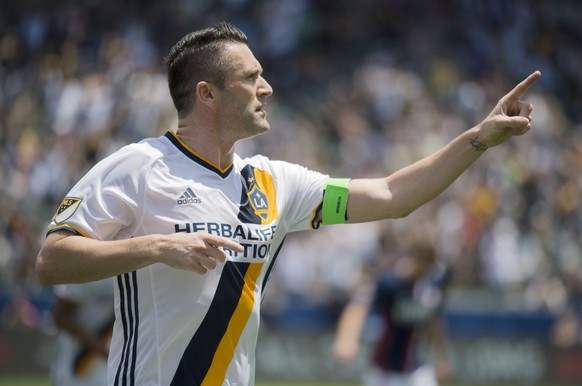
(264, 88)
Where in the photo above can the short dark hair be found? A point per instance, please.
(197, 57)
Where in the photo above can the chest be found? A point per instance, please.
(242, 206)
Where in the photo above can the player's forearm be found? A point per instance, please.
(77, 259)
(421, 182)
(347, 339)
(406, 190)
(352, 321)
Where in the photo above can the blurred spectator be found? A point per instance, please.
(84, 315)
(406, 293)
(567, 330)
(80, 80)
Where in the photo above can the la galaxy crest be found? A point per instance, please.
(66, 209)
(259, 201)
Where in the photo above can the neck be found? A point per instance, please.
(208, 144)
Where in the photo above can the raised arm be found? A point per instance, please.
(69, 258)
(411, 187)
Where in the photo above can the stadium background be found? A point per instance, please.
(361, 88)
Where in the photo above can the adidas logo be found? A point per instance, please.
(188, 197)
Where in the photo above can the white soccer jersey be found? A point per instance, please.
(176, 327)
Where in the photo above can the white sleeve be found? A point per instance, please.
(107, 199)
(302, 193)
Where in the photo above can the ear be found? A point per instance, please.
(205, 92)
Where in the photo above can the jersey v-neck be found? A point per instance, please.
(188, 152)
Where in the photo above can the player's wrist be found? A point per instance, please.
(477, 139)
(153, 245)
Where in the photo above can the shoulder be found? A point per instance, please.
(136, 156)
(126, 167)
(148, 149)
(257, 160)
(279, 167)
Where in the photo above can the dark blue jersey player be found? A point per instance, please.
(407, 301)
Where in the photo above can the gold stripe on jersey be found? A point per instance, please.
(225, 351)
(259, 198)
(214, 344)
(266, 185)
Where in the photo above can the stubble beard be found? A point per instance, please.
(257, 125)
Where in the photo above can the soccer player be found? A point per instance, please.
(84, 315)
(191, 231)
(407, 298)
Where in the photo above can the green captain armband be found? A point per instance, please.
(335, 201)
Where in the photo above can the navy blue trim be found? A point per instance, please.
(136, 310)
(197, 159)
(125, 330)
(64, 228)
(130, 322)
(246, 212)
(271, 266)
(131, 330)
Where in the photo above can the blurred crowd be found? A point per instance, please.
(361, 89)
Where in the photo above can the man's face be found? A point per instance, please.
(242, 100)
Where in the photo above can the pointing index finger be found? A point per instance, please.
(219, 241)
(524, 85)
